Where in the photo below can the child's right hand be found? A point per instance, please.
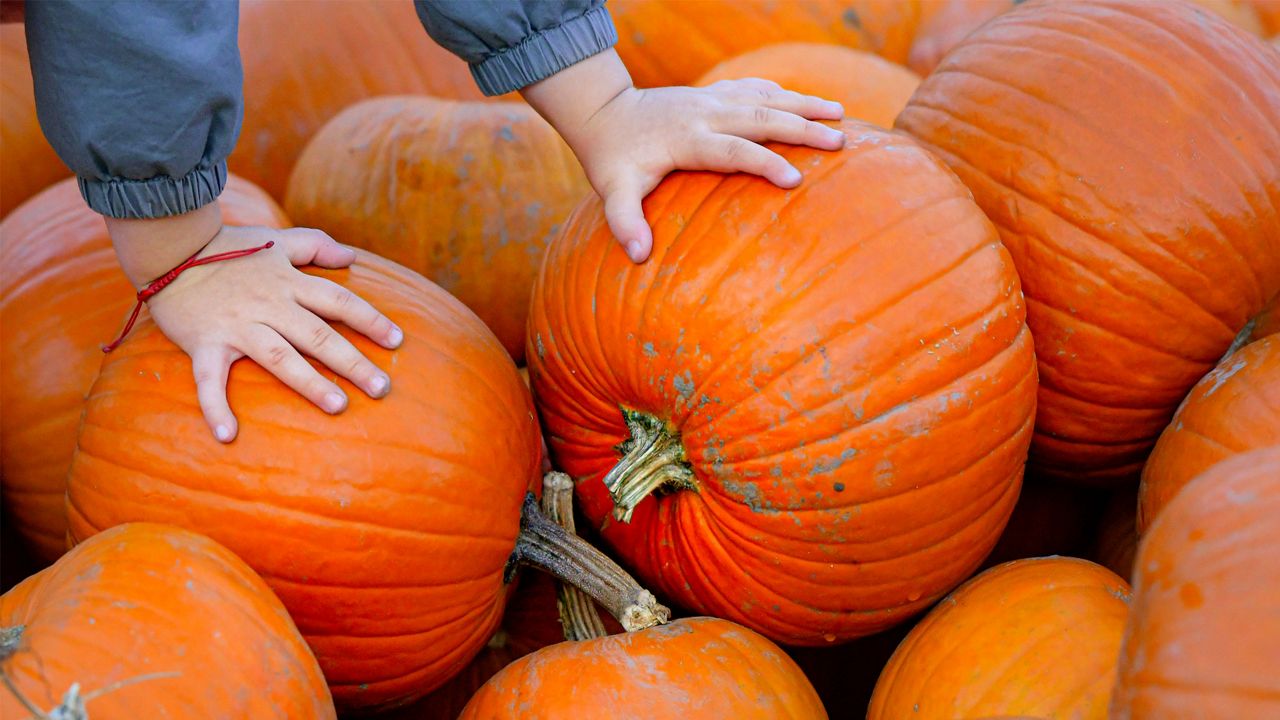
(260, 306)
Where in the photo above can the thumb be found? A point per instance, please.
(625, 215)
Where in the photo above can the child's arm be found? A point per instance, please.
(559, 55)
(142, 101)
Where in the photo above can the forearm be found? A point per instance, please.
(148, 248)
(570, 98)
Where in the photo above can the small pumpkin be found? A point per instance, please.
(30, 164)
(1234, 409)
(1201, 640)
(1135, 286)
(1032, 637)
(468, 194)
(147, 620)
(870, 87)
(62, 296)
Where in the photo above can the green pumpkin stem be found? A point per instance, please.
(578, 612)
(652, 458)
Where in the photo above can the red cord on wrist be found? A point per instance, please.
(163, 281)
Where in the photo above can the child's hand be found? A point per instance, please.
(259, 306)
(628, 140)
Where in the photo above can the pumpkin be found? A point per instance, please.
(468, 194)
(1135, 285)
(1265, 323)
(832, 388)
(384, 530)
(1050, 518)
(870, 87)
(1201, 640)
(672, 42)
(949, 23)
(1245, 14)
(305, 64)
(1030, 637)
(146, 620)
(30, 164)
(1234, 409)
(1268, 12)
(62, 296)
(1117, 540)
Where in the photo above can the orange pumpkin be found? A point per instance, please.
(1234, 409)
(1032, 637)
(1245, 14)
(870, 87)
(1201, 640)
(385, 530)
(949, 22)
(1135, 285)
(468, 194)
(303, 64)
(1266, 322)
(832, 387)
(673, 42)
(62, 296)
(1268, 12)
(153, 621)
(30, 164)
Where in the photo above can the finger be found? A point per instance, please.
(762, 123)
(315, 337)
(728, 153)
(308, 246)
(806, 106)
(267, 348)
(330, 300)
(210, 366)
(624, 212)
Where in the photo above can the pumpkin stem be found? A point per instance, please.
(550, 548)
(578, 612)
(1242, 338)
(652, 458)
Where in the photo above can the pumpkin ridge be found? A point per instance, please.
(1137, 342)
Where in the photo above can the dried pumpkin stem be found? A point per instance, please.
(549, 547)
(652, 458)
(578, 612)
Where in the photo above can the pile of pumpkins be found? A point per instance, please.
(804, 422)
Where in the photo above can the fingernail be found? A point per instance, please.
(635, 251)
(334, 402)
(835, 107)
(395, 337)
(378, 385)
(223, 433)
(835, 135)
(791, 176)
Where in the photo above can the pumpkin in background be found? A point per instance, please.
(30, 164)
(1202, 638)
(468, 194)
(1268, 12)
(152, 617)
(1032, 637)
(949, 22)
(63, 295)
(303, 64)
(673, 42)
(1245, 14)
(1234, 409)
(1266, 322)
(1135, 285)
(1051, 518)
(870, 87)
(1117, 540)
(832, 387)
(384, 530)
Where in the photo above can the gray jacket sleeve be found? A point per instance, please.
(141, 98)
(513, 43)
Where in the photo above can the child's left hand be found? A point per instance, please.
(628, 139)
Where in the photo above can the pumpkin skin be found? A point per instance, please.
(468, 194)
(1201, 640)
(63, 295)
(688, 669)
(851, 464)
(170, 609)
(673, 42)
(373, 526)
(1032, 637)
(949, 23)
(870, 87)
(30, 164)
(301, 68)
(1134, 284)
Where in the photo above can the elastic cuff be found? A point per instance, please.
(540, 56)
(158, 197)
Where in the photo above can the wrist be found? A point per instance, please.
(569, 99)
(149, 248)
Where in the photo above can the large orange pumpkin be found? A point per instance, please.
(153, 621)
(1201, 641)
(62, 296)
(385, 529)
(870, 87)
(673, 42)
(1034, 637)
(30, 164)
(304, 63)
(1135, 285)
(468, 194)
(832, 387)
(1234, 409)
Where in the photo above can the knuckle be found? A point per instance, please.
(735, 149)
(343, 297)
(321, 336)
(277, 355)
(761, 115)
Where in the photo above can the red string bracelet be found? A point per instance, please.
(163, 281)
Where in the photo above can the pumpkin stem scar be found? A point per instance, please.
(578, 615)
(550, 548)
(653, 458)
